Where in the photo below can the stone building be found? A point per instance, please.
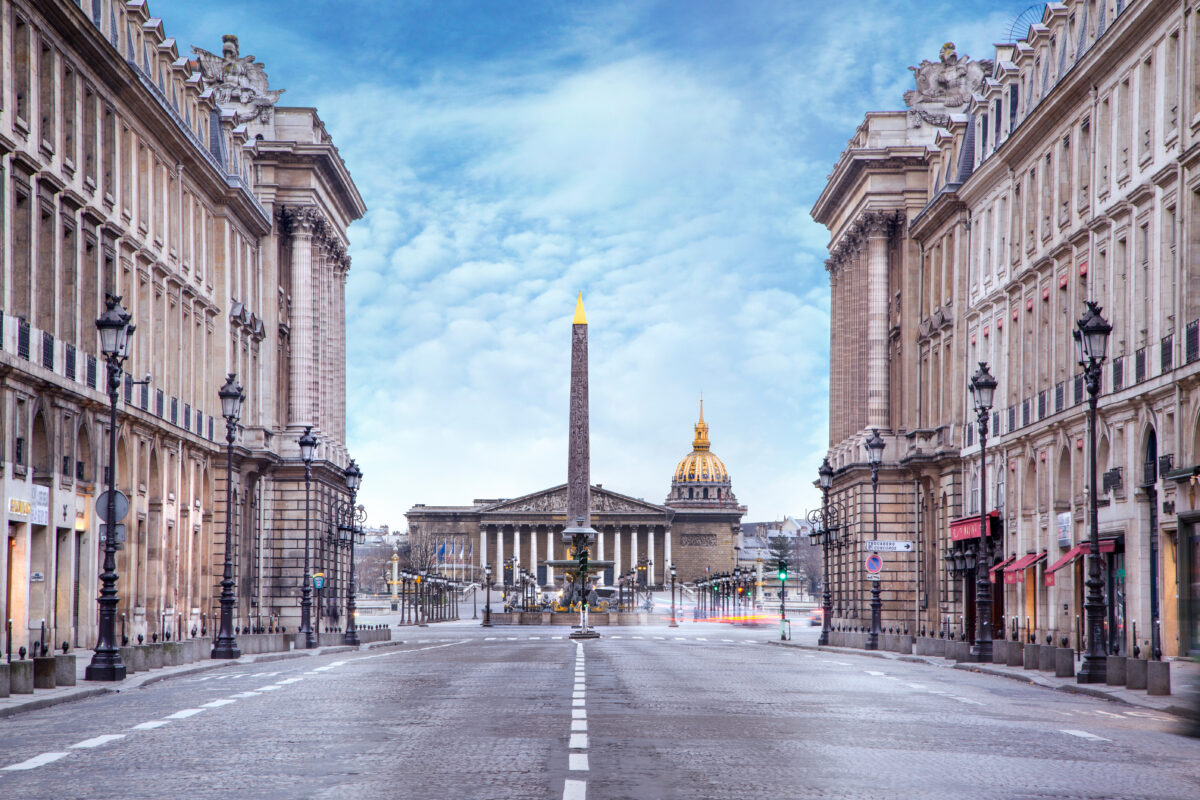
(1069, 175)
(219, 218)
(695, 529)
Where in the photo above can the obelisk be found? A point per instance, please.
(579, 470)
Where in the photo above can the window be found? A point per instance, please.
(983, 140)
(1104, 146)
(46, 95)
(21, 69)
(1014, 103)
(109, 146)
(1142, 295)
(1047, 196)
(1124, 129)
(1146, 109)
(69, 101)
(1064, 181)
(1085, 162)
(89, 137)
(1171, 70)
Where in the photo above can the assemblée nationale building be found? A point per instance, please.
(175, 179)
(971, 226)
(695, 529)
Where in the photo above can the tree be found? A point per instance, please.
(780, 548)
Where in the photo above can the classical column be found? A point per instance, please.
(482, 551)
(302, 373)
(633, 545)
(533, 551)
(618, 567)
(549, 555)
(667, 545)
(878, 230)
(499, 571)
(517, 546)
(650, 536)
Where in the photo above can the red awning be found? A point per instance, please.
(1001, 565)
(968, 527)
(1106, 546)
(1015, 571)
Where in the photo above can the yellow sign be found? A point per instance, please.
(22, 507)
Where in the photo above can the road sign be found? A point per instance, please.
(319, 580)
(889, 546)
(122, 507)
(874, 563)
(874, 576)
(118, 534)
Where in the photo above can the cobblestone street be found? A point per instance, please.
(703, 711)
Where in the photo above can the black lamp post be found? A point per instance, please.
(487, 606)
(983, 390)
(353, 480)
(231, 408)
(1091, 342)
(308, 446)
(115, 331)
(674, 622)
(825, 476)
(875, 445)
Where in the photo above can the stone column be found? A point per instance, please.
(633, 545)
(549, 554)
(667, 544)
(618, 531)
(517, 547)
(878, 228)
(499, 569)
(482, 551)
(302, 372)
(650, 536)
(533, 551)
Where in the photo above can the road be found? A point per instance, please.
(703, 711)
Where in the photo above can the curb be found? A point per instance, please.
(1070, 688)
(391, 643)
(47, 702)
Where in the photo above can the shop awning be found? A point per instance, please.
(1015, 572)
(1106, 546)
(1000, 566)
(968, 527)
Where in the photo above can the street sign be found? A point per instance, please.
(888, 546)
(874, 576)
(118, 534)
(874, 563)
(319, 580)
(121, 507)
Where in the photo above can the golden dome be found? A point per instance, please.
(701, 465)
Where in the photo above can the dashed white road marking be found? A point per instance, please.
(1107, 713)
(731, 642)
(579, 725)
(575, 790)
(577, 761)
(46, 758)
(577, 694)
(579, 703)
(639, 637)
(875, 673)
(660, 637)
(489, 638)
(555, 637)
(96, 741)
(578, 741)
(218, 703)
(915, 685)
(288, 680)
(185, 713)
(578, 713)
(511, 638)
(701, 639)
(148, 726)
(270, 688)
(531, 638)
(241, 695)
(965, 700)
(614, 637)
(1085, 735)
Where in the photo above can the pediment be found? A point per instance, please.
(554, 501)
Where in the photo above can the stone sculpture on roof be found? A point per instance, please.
(945, 86)
(239, 83)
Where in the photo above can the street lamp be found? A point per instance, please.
(983, 390)
(487, 606)
(231, 408)
(115, 330)
(353, 480)
(825, 478)
(875, 445)
(1091, 336)
(674, 622)
(308, 446)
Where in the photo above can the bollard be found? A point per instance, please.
(1158, 677)
(999, 651)
(21, 677)
(4, 679)
(1115, 671)
(44, 669)
(154, 655)
(64, 669)
(1046, 658)
(1015, 653)
(1064, 662)
(1030, 656)
(1135, 673)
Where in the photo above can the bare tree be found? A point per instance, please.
(422, 550)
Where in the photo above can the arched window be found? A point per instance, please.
(706, 493)
(691, 493)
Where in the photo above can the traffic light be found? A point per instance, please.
(782, 571)
(583, 561)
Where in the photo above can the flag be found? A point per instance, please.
(442, 551)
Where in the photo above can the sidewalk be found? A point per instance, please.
(44, 698)
(1184, 700)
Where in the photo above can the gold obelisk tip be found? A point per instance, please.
(580, 316)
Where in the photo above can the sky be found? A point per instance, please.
(660, 157)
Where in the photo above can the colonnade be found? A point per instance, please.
(534, 544)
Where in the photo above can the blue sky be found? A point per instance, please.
(661, 157)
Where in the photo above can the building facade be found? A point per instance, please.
(696, 529)
(219, 218)
(1070, 175)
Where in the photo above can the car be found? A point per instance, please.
(816, 616)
